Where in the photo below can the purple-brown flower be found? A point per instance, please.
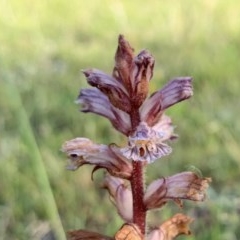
(173, 92)
(181, 186)
(93, 100)
(82, 151)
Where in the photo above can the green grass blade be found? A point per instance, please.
(27, 136)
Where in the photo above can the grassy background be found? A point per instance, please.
(43, 47)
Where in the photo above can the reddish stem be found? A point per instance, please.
(138, 184)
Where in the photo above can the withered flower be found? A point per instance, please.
(129, 231)
(177, 225)
(82, 151)
(185, 185)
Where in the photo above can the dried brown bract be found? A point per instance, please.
(177, 225)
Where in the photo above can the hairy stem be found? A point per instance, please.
(138, 184)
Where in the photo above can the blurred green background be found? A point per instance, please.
(43, 47)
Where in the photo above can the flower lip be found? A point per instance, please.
(146, 144)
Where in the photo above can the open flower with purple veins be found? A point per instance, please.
(123, 98)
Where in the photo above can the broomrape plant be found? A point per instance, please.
(123, 99)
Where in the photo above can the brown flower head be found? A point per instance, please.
(116, 96)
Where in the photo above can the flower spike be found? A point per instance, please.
(122, 98)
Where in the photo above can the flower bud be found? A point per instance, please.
(141, 74)
(122, 196)
(123, 62)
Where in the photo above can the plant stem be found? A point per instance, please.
(137, 184)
